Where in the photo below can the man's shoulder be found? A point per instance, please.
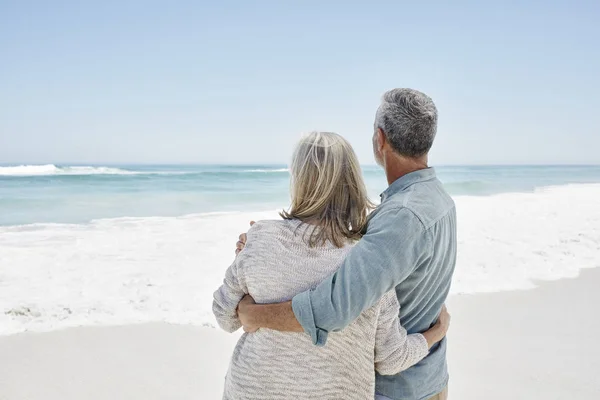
(421, 206)
(394, 214)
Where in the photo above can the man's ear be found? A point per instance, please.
(381, 140)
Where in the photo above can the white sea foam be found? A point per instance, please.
(51, 169)
(128, 270)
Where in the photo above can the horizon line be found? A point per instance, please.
(250, 164)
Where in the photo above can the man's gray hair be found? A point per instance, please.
(408, 118)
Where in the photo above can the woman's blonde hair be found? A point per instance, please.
(327, 189)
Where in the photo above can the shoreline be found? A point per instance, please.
(524, 344)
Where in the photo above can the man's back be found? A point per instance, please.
(422, 294)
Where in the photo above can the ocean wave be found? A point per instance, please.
(51, 169)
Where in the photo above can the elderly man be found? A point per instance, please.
(409, 245)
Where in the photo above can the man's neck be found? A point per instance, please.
(400, 166)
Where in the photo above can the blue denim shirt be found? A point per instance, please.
(409, 245)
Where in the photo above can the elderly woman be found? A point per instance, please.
(285, 257)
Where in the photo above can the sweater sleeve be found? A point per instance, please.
(395, 351)
(227, 297)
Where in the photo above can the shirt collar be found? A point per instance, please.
(407, 180)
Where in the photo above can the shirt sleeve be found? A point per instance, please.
(393, 246)
(395, 350)
(227, 297)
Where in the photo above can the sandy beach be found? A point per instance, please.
(533, 344)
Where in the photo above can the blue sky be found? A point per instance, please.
(238, 81)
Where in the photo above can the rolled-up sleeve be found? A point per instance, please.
(393, 246)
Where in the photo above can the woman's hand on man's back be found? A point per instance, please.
(438, 331)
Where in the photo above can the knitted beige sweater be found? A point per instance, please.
(276, 265)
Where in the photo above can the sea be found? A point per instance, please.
(119, 244)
